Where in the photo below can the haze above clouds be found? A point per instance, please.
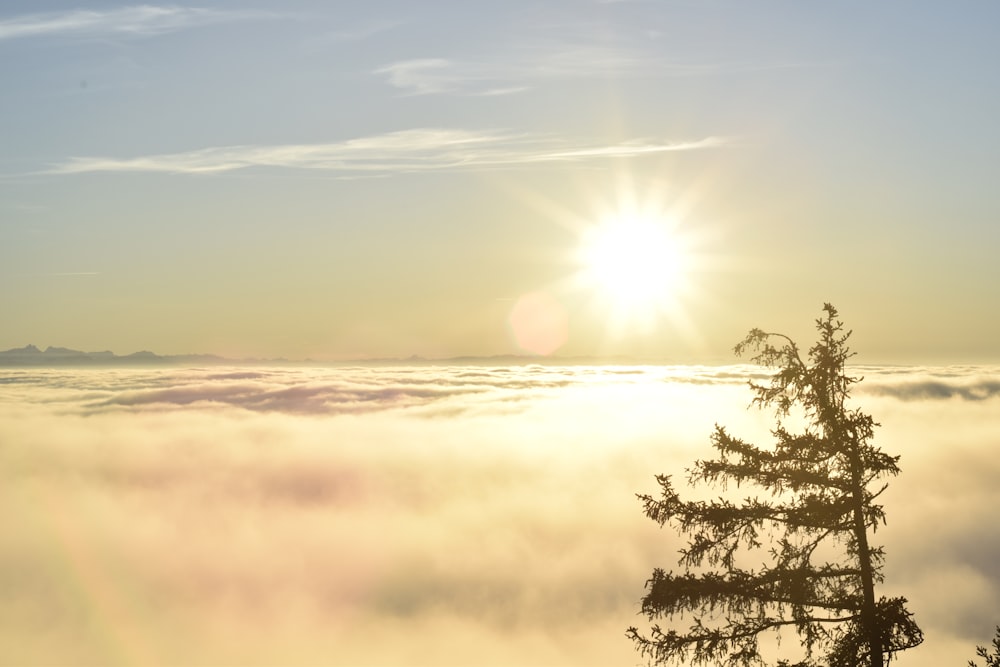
(305, 179)
(423, 515)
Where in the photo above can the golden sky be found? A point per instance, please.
(383, 179)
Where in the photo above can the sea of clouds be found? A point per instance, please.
(451, 515)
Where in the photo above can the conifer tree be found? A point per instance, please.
(992, 659)
(796, 555)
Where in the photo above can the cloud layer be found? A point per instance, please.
(407, 150)
(419, 515)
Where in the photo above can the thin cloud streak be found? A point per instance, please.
(60, 274)
(420, 76)
(509, 75)
(139, 21)
(423, 76)
(403, 151)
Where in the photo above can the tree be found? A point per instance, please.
(992, 659)
(811, 527)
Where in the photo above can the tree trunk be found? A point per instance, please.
(869, 618)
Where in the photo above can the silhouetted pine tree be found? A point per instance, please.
(810, 529)
(992, 659)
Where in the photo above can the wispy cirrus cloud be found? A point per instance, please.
(403, 151)
(424, 76)
(521, 71)
(62, 274)
(508, 74)
(137, 21)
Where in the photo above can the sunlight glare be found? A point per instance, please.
(633, 260)
(636, 265)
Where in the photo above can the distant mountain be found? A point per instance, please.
(29, 355)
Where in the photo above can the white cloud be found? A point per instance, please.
(428, 75)
(406, 150)
(974, 384)
(417, 515)
(518, 70)
(142, 20)
(511, 73)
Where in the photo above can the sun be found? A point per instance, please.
(634, 261)
(636, 265)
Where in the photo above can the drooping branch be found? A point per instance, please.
(733, 644)
(741, 591)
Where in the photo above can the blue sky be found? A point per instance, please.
(337, 180)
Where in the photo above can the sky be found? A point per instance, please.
(456, 515)
(384, 179)
(572, 180)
